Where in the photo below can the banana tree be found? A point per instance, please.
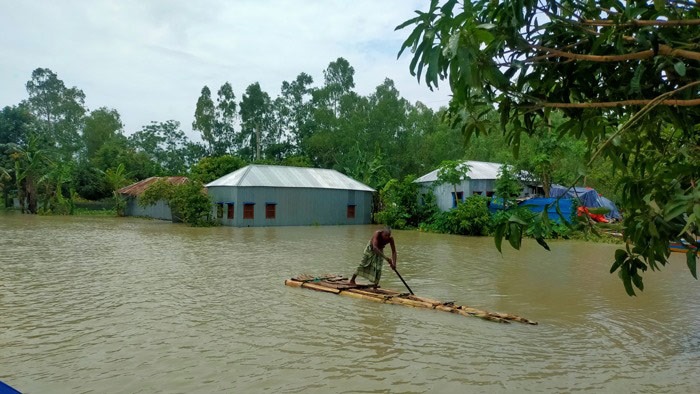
(29, 162)
(116, 179)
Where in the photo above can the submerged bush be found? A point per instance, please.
(469, 218)
(189, 201)
(400, 207)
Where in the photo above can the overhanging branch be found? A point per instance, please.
(670, 23)
(623, 103)
(664, 50)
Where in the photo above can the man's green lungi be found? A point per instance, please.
(371, 265)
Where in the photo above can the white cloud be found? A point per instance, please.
(150, 59)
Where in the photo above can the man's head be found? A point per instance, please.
(386, 232)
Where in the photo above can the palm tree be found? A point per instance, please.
(116, 179)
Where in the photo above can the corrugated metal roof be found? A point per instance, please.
(139, 187)
(477, 170)
(282, 176)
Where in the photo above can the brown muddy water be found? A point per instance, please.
(117, 305)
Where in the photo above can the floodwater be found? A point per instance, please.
(121, 305)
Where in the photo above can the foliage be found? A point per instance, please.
(166, 145)
(59, 111)
(116, 179)
(624, 75)
(400, 207)
(158, 190)
(89, 182)
(211, 168)
(101, 125)
(468, 218)
(256, 118)
(187, 201)
(30, 163)
(507, 186)
(452, 173)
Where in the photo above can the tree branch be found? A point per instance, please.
(623, 103)
(672, 23)
(664, 50)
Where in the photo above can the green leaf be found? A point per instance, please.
(672, 211)
(516, 219)
(542, 242)
(635, 83)
(637, 280)
(620, 255)
(616, 265)
(408, 22)
(487, 26)
(515, 235)
(498, 235)
(680, 68)
(659, 5)
(626, 280)
(692, 259)
(483, 36)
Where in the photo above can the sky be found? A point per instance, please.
(149, 59)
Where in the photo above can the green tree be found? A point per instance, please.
(16, 123)
(255, 111)
(339, 79)
(30, 163)
(166, 145)
(89, 181)
(400, 206)
(294, 110)
(205, 119)
(452, 173)
(507, 186)
(59, 110)
(625, 76)
(101, 125)
(119, 150)
(226, 119)
(212, 168)
(116, 179)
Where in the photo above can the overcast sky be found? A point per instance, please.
(149, 59)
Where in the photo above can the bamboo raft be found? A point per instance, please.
(337, 284)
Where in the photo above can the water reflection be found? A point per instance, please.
(130, 305)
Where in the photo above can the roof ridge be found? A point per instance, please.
(245, 173)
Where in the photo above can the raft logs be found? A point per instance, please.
(339, 285)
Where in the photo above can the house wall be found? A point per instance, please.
(293, 206)
(468, 187)
(160, 210)
(443, 193)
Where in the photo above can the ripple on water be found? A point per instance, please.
(127, 305)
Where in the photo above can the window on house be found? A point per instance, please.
(230, 210)
(219, 210)
(249, 210)
(460, 196)
(270, 210)
(478, 193)
(489, 194)
(351, 211)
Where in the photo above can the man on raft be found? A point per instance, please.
(373, 258)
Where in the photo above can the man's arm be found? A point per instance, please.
(379, 249)
(392, 262)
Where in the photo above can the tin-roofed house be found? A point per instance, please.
(481, 180)
(268, 195)
(159, 210)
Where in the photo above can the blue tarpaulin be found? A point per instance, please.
(537, 205)
(589, 199)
